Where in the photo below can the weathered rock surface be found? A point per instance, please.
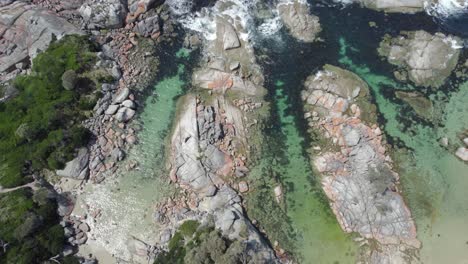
(358, 178)
(26, 30)
(427, 59)
(300, 23)
(210, 134)
(103, 13)
(228, 35)
(398, 6)
(78, 167)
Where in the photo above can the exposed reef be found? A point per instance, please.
(357, 174)
(426, 59)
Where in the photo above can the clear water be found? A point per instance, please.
(127, 200)
(434, 181)
(302, 223)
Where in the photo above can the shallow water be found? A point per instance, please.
(127, 200)
(434, 181)
(313, 234)
(432, 178)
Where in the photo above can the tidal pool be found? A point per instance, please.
(127, 199)
(434, 181)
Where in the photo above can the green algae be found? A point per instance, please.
(316, 236)
(434, 181)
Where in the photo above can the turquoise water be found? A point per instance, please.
(304, 224)
(434, 181)
(127, 200)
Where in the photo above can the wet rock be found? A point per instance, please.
(444, 142)
(227, 35)
(428, 59)
(462, 153)
(78, 167)
(421, 105)
(300, 23)
(278, 193)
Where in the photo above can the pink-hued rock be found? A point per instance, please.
(358, 179)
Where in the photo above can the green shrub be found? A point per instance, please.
(41, 124)
(39, 128)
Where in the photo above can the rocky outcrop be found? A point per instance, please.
(420, 104)
(300, 23)
(394, 6)
(26, 30)
(103, 13)
(78, 167)
(357, 174)
(426, 59)
(210, 139)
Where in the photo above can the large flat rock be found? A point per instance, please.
(357, 174)
(427, 59)
(26, 30)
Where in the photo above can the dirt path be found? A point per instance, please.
(31, 185)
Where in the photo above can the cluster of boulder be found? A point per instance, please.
(75, 230)
(357, 174)
(425, 59)
(297, 18)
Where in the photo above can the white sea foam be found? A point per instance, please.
(238, 12)
(445, 8)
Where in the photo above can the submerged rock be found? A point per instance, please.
(357, 174)
(421, 105)
(427, 59)
(300, 23)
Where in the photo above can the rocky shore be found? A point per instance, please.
(425, 59)
(127, 36)
(356, 170)
(300, 23)
(209, 145)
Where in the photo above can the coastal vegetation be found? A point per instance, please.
(40, 129)
(194, 243)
